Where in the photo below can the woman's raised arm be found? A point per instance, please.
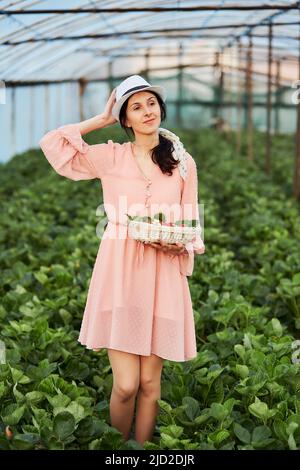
(71, 156)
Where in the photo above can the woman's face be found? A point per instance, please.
(143, 106)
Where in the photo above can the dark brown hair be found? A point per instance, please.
(162, 153)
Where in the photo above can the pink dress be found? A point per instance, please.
(138, 299)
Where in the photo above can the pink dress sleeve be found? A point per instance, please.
(72, 157)
(190, 210)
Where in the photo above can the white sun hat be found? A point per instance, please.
(128, 87)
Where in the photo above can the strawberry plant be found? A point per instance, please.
(241, 392)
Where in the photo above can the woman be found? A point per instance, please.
(138, 305)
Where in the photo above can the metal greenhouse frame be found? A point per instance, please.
(224, 63)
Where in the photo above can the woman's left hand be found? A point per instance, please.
(171, 248)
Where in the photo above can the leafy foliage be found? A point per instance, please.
(243, 389)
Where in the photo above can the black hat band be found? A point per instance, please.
(135, 88)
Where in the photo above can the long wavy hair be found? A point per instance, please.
(161, 154)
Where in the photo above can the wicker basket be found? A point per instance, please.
(177, 234)
(145, 231)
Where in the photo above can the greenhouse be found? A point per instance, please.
(209, 345)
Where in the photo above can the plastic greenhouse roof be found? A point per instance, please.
(77, 41)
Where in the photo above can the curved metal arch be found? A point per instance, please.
(67, 49)
(45, 21)
(145, 19)
(37, 47)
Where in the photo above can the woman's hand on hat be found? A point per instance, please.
(107, 115)
(170, 248)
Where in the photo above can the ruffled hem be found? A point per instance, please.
(135, 330)
(157, 353)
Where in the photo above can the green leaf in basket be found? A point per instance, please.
(139, 218)
(188, 223)
(160, 216)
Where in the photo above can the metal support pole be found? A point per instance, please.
(32, 91)
(110, 76)
(47, 109)
(58, 104)
(221, 95)
(13, 121)
(219, 91)
(229, 87)
(82, 86)
(278, 97)
(297, 150)
(180, 87)
(239, 100)
(147, 65)
(215, 88)
(249, 101)
(269, 104)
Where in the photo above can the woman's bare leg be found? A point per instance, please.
(149, 393)
(126, 377)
